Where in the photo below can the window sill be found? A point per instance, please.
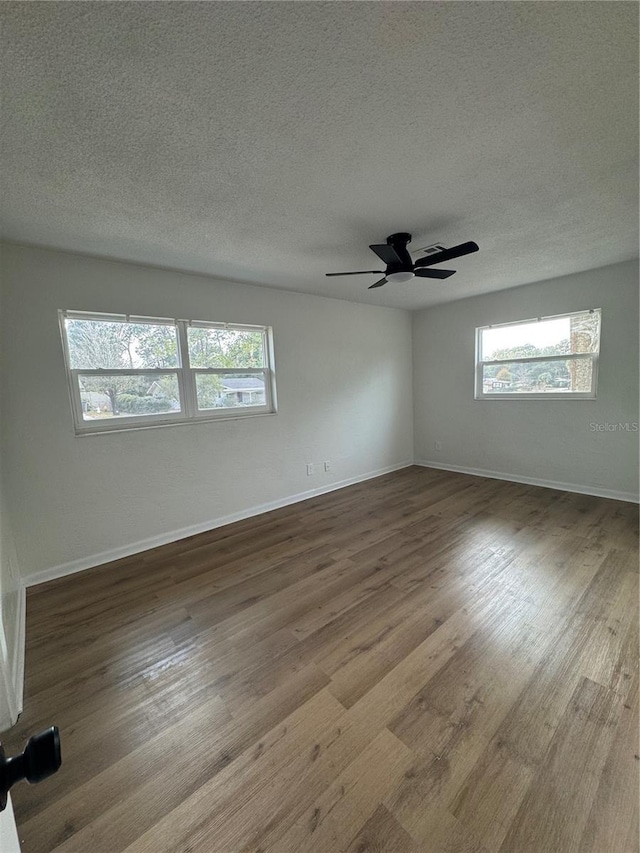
(534, 396)
(203, 419)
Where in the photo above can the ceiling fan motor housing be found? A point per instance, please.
(399, 243)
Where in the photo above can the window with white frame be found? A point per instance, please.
(545, 358)
(130, 372)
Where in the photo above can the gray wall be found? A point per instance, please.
(545, 440)
(344, 395)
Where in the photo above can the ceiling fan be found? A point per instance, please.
(400, 267)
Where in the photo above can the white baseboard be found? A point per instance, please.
(173, 536)
(630, 497)
(164, 539)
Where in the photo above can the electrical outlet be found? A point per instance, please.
(311, 469)
(327, 466)
(437, 445)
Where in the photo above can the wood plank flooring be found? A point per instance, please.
(427, 661)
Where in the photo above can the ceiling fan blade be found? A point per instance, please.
(448, 254)
(421, 273)
(377, 284)
(386, 253)
(358, 272)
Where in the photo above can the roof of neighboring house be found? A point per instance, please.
(244, 383)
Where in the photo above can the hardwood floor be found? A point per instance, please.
(427, 661)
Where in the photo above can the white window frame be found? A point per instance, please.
(537, 395)
(186, 376)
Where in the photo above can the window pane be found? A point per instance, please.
(106, 397)
(220, 391)
(560, 336)
(95, 344)
(225, 348)
(562, 376)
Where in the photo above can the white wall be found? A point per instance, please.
(12, 612)
(12, 626)
(9, 842)
(545, 440)
(12, 606)
(344, 392)
(344, 389)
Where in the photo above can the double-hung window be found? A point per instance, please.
(131, 372)
(545, 358)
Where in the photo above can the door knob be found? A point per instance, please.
(41, 758)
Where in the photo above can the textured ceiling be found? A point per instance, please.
(272, 142)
